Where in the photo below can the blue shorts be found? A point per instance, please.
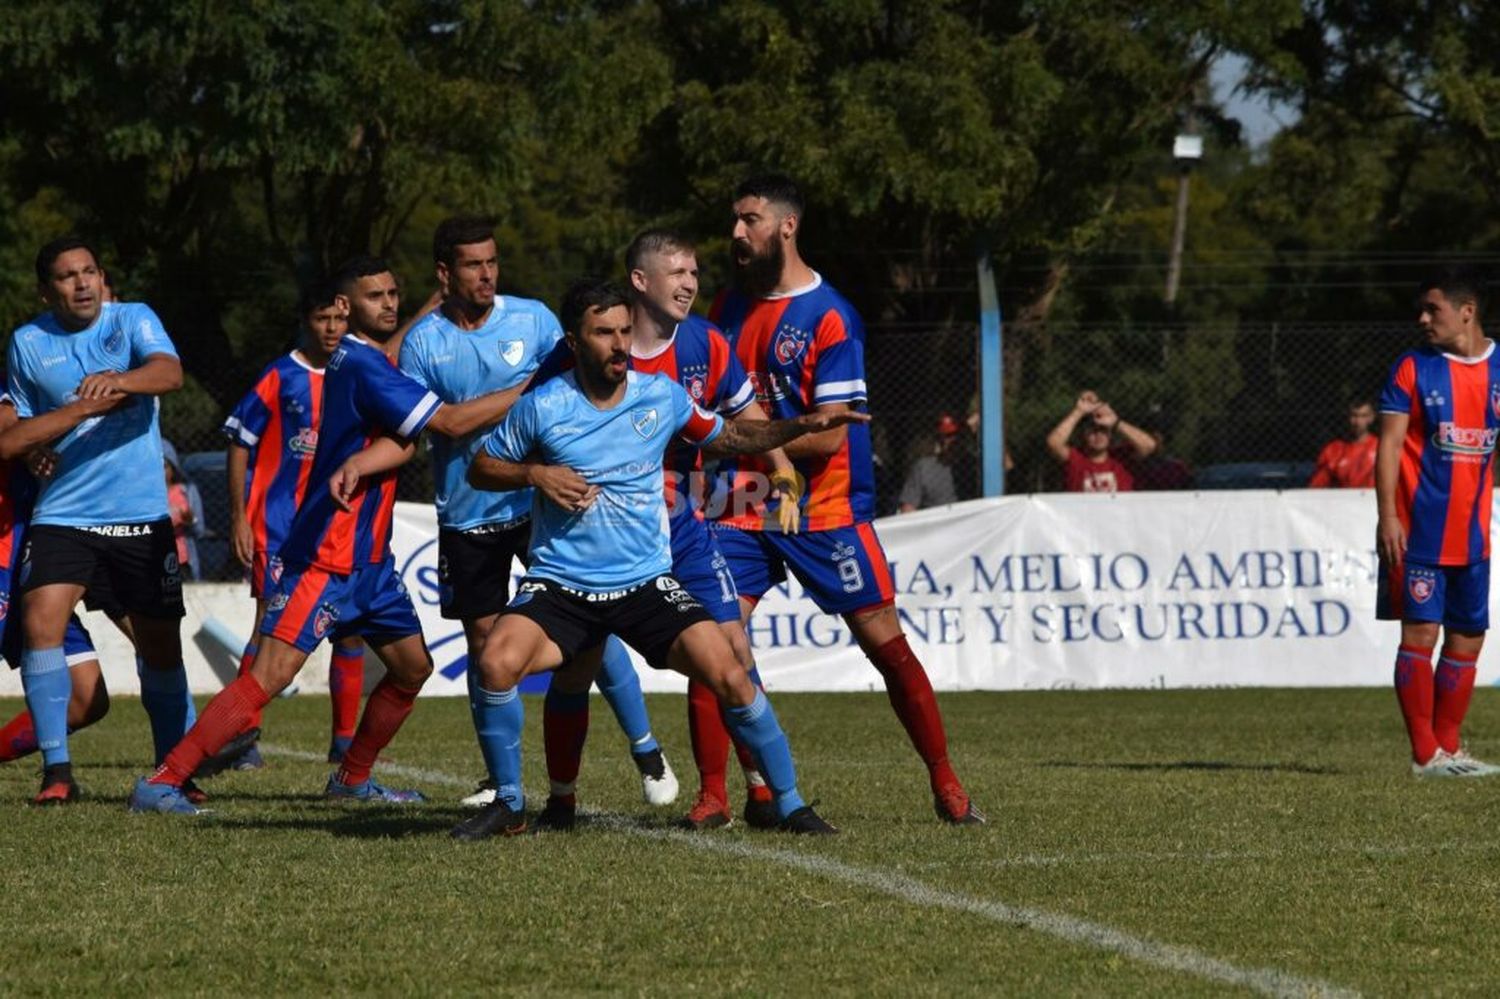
(1455, 596)
(307, 604)
(843, 569)
(78, 645)
(702, 569)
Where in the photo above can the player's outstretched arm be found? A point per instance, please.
(560, 484)
(1390, 536)
(784, 477)
(383, 455)
(459, 418)
(21, 437)
(162, 373)
(751, 437)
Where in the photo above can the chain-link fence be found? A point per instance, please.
(1247, 405)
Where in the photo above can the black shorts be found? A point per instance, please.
(137, 562)
(648, 617)
(474, 568)
(100, 596)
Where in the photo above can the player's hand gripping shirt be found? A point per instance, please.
(698, 358)
(364, 397)
(1443, 493)
(277, 421)
(459, 365)
(102, 469)
(803, 350)
(624, 538)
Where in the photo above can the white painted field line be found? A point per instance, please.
(1219, 856)
(1170, 957)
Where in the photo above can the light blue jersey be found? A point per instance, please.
(110, 470)
(623, 539)
(458, 365)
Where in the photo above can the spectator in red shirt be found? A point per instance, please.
(1348, 462)
(1097, 464)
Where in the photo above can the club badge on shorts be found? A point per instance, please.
(1421, 583)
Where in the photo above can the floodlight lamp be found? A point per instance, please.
(1187, 149)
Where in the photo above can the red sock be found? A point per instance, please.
(910, 693)
(247, 659)
(346, 681)
(1414, 692)
(565, 727)
(1453, 686)
(17, 738)
(710, 740)
(226, 716)
(386, 709)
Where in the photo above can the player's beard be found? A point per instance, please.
(761, 273)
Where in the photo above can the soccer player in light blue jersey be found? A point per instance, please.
(476, 343)
(98, 517)
(592, 441)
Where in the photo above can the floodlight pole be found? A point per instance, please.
(1187, 150)
(991, 386)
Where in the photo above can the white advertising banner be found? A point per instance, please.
(1061, 591)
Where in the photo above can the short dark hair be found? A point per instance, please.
(588, 294)
(1360, 402)
(1460, 284)
(776, 188)
(354, 268)
(656, 241)
(460, 230)
(48, 254)
(315, 296)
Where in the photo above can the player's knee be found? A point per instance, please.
(1421, 633)
(741, 646)
(500, 667)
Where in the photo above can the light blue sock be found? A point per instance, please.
(621, 687)
(44, 675)
(164, 695)
(499, 717)
(756, 726)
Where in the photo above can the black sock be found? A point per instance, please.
(650, 763)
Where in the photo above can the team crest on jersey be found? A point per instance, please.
(789, 344)
(645, 422)
(1421, 583)
(511, 351)
(304, 441)
(114, 343)
(273, 569)
(695, 388)
(323, 620)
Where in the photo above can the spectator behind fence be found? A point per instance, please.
(932, 480)
(1160, 471)
(186, 506)
(1097, 465)
(1348, 462)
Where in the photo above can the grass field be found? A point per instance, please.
(1163, 842)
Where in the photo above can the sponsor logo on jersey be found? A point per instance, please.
(1421, 583)
(525, 592)
(842, 551)
(645, 422)
(666, 583)
(120, 530)
(304, 441)
(278, 602)
(273, 568)
(789, 344)
(114, 342)
(1434, 398)
(1465, 440)
(511, 351)
(337, 358)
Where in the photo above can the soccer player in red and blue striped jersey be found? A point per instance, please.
(802, 344)
(273, 433)
(339, 577)
(1440, 417)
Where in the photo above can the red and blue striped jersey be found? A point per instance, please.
(17, 497)
(364, 397)
(802, 350)
(277, 422)
(1452, 405)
